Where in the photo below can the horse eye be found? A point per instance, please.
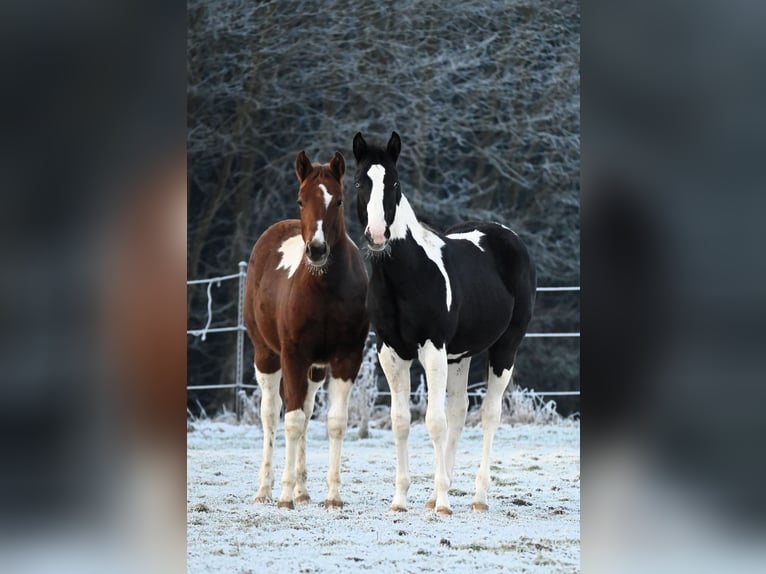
(300, 203)
(340, 202)
(396, 184)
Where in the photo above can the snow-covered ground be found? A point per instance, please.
(533, 524)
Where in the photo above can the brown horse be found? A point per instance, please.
(305, 312)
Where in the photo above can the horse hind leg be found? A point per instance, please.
(501, 360)
(457, 408)
(315, 378)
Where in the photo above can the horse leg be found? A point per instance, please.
(397, 371)
(268, 375)
(501, 358)
(295, 387)
(342, 374)
(301, 494)
(457, 407)
(434, 362)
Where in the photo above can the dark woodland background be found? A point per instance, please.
(485, 95)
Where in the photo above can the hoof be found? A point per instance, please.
(444, 511)
(333, 503)
(303, 499)
(285, 504)
(479, 507)
(431, 504)
(263, 499)
(397, 508)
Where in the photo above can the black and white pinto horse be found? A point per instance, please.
(439, 298)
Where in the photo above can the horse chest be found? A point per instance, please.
(407, 315)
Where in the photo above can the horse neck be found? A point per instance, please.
(405, 220)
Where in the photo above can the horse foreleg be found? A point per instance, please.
(295, 390)
(490, 420)
(397, 371)
(271, 404)
(457, 407)
(434, 362)
(337, 421)
(301, 494)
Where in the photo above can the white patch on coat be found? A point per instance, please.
(507, 229)
(327, 195)
(431, 243)
(376, 217)
(472, 236)
(319, 234)
(292, 253)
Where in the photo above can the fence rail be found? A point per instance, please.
(239, 328)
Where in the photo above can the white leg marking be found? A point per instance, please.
(337, 420)
(319, 234)
(292, 253)
(490, 419)
(271, 404)
(376, 218)
(295, 423)
(326, 195)
(472, 236)
(434, 361)
(397, 372)
(457, 407)
(301, 493)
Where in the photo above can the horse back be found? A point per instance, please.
(494, 284)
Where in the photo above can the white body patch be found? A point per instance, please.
(319, 235)
(430, 242)
(292, 254)
(507, 229)
(472, 236)
(376, 219)
(326, 194)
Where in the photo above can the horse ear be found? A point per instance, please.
(302, 166)
(338, 165)
(360, 146)
(394, 146)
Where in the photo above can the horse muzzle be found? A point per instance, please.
(377, 241)
(317, 253)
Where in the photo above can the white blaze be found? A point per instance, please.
(319, 235)
(292, 253)
(326, 194)
(376, 219)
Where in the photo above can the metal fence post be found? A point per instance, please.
(239, 370)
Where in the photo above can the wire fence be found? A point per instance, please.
(239, 382)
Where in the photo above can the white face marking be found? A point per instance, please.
(327, 195)
(319, 234)
(376, 218)
(292, 253)
(472, 236)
